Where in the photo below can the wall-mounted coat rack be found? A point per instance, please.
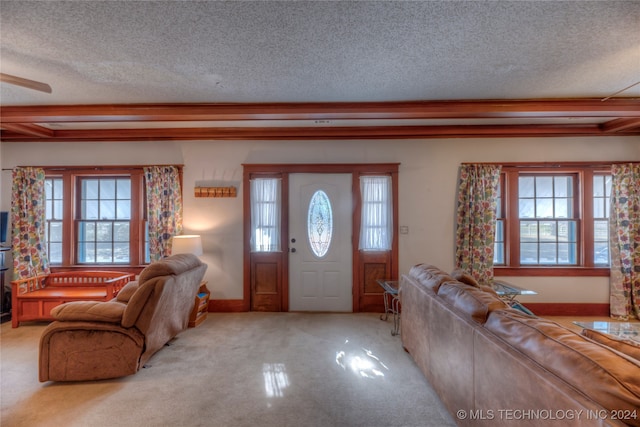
(215, 192)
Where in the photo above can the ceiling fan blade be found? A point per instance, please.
(31, 84)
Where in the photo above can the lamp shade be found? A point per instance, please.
(187, 244)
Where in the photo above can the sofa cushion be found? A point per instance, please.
(430, 276)
(628, 347)
(174, 264)
(89, 311)
(475, 303)
(601, 373)
(462, 276)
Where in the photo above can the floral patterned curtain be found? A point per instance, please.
(164, 208)
(476, 226)
(624, 234)
(28, 223)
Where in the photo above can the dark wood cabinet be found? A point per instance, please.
(5, 293)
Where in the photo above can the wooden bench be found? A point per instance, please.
(34, 297)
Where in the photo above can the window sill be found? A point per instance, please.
(551, 271)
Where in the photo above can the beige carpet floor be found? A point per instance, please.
(236, 369)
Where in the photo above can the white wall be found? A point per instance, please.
(428, 181)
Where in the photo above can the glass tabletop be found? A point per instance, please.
(390, 286)
(507, 289)
(625, 330)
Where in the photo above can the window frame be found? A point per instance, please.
(71, 179)
(79, 220)
(277, 208)
(599, 173)
(574, 218)
(48, 222)
(385, 206)
(583, 205)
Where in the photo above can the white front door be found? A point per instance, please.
(320, 252)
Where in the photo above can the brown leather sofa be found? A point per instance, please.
(92, 340)
(493, 365)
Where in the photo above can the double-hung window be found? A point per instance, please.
(552, 219)
(95, 217)
(548, 225)
(104, 220)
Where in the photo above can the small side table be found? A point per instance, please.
(391, 303)
(508, 293)
(201, 306)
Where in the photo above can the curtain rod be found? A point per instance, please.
(102, 167)
(551, 164)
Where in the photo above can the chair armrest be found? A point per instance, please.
(89, 311)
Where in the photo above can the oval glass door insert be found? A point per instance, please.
(320, 223)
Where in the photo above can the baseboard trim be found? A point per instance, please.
(226, 306)
(541, 309)
(238, 306)
(568, 309)
(372, 308)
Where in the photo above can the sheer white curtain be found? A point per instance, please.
(265, 214)
(376, 225)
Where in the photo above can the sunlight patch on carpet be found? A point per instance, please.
(276, 379)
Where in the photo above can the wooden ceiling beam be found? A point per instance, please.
(553, 108)
(317, 133)
(619, 125)
(28, 129)
(27, 123)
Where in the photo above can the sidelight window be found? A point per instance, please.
(377, 215)
(54, 214)
(265, 214)
(601, 205)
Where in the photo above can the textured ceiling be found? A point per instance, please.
(95, 52)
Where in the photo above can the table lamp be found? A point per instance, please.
(187, 244)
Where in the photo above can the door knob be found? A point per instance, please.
(293, 249)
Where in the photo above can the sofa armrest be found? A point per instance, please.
(627, 347)
(89, 311)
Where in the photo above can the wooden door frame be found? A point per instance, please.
(281, 289)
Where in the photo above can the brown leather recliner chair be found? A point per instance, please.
(93, 340)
